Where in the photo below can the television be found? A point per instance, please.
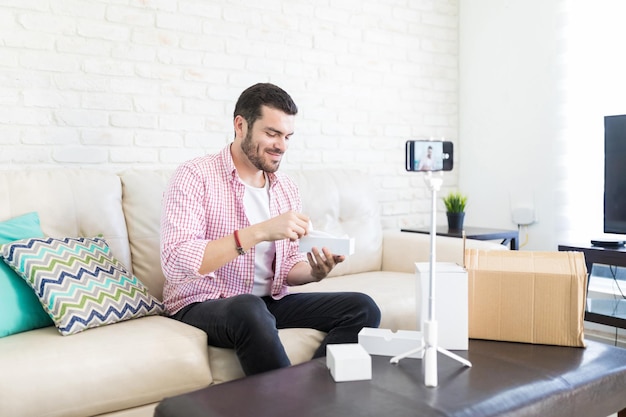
(615, 174)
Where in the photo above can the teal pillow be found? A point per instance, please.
(20, 309)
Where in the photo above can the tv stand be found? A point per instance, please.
(597, 311)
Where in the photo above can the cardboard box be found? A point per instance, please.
(451, 302)
(384, 342)
(348, 362)
(531, 297)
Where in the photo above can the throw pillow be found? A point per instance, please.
(79, 282)
(20, 309)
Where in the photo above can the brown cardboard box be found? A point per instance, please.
(532, 297)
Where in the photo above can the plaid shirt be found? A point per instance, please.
(204, 202)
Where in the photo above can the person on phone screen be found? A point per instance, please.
(427, 163)
(230, 226)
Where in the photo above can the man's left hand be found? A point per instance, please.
(322, 262)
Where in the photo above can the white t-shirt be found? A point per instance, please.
(256, 202)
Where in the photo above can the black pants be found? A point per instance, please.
(249, 324)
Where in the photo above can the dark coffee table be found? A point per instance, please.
(507, 379)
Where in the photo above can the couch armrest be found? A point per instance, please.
(402, 249)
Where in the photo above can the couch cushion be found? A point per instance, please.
(341, 202)
(79, 283)
(142, 195)
(394, 293)
(70, 202)
(20, 309)
(109, 368)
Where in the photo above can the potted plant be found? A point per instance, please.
(455, 209)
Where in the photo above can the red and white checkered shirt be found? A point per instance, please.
(204, 202)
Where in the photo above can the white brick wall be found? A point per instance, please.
(150, 83)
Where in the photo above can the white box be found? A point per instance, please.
(348, 362)
(337, 245)
(385, 342)
(451, 302)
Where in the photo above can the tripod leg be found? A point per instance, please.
(397, 359)
(455, 357)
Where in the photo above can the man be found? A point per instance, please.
(229, 244)
(427, 163)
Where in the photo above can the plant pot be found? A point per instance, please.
(455, 221)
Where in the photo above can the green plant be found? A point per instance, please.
(455, 202)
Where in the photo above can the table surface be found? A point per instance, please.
(478, 233)
(469, 231)
(598, 254)
(506, 379)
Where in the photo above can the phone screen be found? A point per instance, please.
(428, 155)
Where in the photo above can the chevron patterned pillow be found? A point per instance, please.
(78, 282)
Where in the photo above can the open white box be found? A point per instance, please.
(336, 245)
(385, 342)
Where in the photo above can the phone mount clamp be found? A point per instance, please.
(429, 343)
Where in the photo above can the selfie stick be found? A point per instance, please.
(429, 344)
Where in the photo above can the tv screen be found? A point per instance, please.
(615, 174)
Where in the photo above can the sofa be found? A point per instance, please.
(126, 368)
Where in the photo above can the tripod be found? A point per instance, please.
(429, 343)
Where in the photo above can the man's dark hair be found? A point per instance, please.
(263, 94)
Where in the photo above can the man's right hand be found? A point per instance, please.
(290, 225)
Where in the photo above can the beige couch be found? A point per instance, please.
(125, 369)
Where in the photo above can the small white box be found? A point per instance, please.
(319, 240)
(348, 362)
(451, 302)
(385, 342)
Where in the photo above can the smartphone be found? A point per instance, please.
(428, 155)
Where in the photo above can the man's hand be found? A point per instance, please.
(322, 263)
(319, 266)
(290, 225)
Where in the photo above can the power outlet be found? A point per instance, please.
(523, 216)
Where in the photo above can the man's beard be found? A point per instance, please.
(249, 148)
